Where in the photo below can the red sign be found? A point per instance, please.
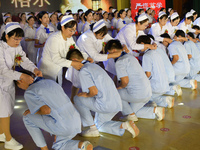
(153, 4)
(164, 129)
(134, 148)
(187, 117)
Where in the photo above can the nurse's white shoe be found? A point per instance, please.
(170, 101)
(13, 144)
(177, 89)
(2, 137)
(131, 127)
(86, 146)
(91, 132)
(129, 117)
(193, 83)
(160, 113)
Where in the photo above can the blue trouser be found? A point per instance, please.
(159, 99)
(194, 74)
(34, 124)
(180, 79)
(102, 120)
(131, 105)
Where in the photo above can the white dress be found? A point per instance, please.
(114, 23)
(128, 20)
(54, 26)
(54, 57)
(31, 50)
(80, 26)
(185, 28)
(120, 24)
(7, 75)
(42, 36)
(171, 29)
(108, 25)
(85, 27)
(156, 31)
(2, 30)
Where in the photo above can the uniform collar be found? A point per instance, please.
(147, 50)
(84, 61)
(122, 54)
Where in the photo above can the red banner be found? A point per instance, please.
(153, 4)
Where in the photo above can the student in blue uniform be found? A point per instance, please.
(162, 46)
(51, 110)
(100, 95)
(194, 57)
(135, 88)
(180, 62)
(154, 68)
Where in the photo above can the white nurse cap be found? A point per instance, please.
(28, 16)
(142, 17)
(103, 12)
(11, 26)
(189, 14)
(192, 11)
(4, 18)
(126, 9)
(113, 10)
(50, 14)
(161, 13)
(98, 25)
(169, 9)
(174, 15)
(59, 14)
(66, 19)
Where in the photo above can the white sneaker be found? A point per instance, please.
(193, 83)
(91, 132)
(2, 137)
(86, 146)
(170, 101)
(13, 144)
(177, 89)
(129, 117)
(160, 113)
(131, 127)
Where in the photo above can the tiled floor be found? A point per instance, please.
(180, 130)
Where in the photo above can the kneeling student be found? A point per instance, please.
(101, 96)
(135, 88)
(154, 68)
(51, 110)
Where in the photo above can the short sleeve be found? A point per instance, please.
(121, 69)
(147, 63)
(33, 101)
(86, 80)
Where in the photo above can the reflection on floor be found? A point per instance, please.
(180, 130)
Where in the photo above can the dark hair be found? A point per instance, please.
(195, 13)
(190, 34)
(128, 10)
(6, 19)
(110, 7)
(100, 9)
(151, 36)
(6, 14)
(162, 9)
(196, 27)
(18, 32)
(87, 13)
(113, 44)
(165, 35)
(143, 39)
(79, 10)
(163, 16)
(175, 19)
(21, 70)
(190, 18)
(68, 11)
(31, 17)
(139, 11)
(180, 33)
(141, 22)
(120, 12)
(74, 53)
(103, 30)
(115, 11)
(40, 15)
(70, 24)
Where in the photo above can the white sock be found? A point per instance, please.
(124, 126)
